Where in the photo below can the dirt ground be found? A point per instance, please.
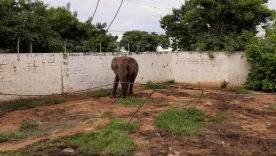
(250, 128)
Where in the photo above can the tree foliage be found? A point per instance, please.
(215, 24)
(139, 41)
(261, 52)
(48, 28)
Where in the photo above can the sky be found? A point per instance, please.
(134, 15)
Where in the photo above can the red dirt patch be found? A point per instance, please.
(249, 130)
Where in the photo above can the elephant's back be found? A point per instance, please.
(120, 63)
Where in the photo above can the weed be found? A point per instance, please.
(101, 93)
(219, 117)
(224, 84)
(240, 90)
(27, 125)
(191, 121)
(107, 114)
(91, 120)
(55, 101)
(117, 124)
(130, 101)
(211, 56)
(108, 142)
(273, 106)
(5, 137)
(171, 81)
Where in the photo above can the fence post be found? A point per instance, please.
(65, 44)
(100, 47)
(18, 45)
(128, 47)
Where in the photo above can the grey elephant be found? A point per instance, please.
(126, 70)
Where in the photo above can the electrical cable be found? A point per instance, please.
(95, 10)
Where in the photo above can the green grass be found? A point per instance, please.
(178, 121)
(219, 117)
(240, 90)
(150, 85)
(6, 137)
(101, 93)
(11, 153)
(117, 124)
(109, 142)
(107, 114)
(25, 125)
(273, 106)
(29, 103)
(129, 101)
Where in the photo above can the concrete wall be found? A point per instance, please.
(44, 74)
(198, 68)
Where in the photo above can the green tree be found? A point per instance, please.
(215, 24)
(139, 41)
(48, 27)
(261, 52)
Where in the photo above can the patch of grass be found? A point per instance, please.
(108, 142)
(150, 85)
(10, 153)
(29, 103)
(186, 121)
(107, 114)
(273, 106)
(5, 137)
(25, 125)
(101, 93)
(117, 124)
(240, 90)
(130, 101)
(55, 101)
(141, 144)
(219, 117)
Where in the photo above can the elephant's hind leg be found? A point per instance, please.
(131, 86)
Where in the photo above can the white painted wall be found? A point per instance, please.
(198, 68)
(54, 73)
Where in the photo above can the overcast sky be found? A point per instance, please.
(134, 14)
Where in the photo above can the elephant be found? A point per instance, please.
(126, 70)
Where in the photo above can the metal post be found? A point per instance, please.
(18, 45)
(100, 47)
(177, 45)
(65, 44)
(128, 47)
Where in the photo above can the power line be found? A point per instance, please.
(95, 10)
(115, 15)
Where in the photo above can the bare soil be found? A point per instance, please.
(249, 130)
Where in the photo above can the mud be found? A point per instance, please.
(249, 130)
